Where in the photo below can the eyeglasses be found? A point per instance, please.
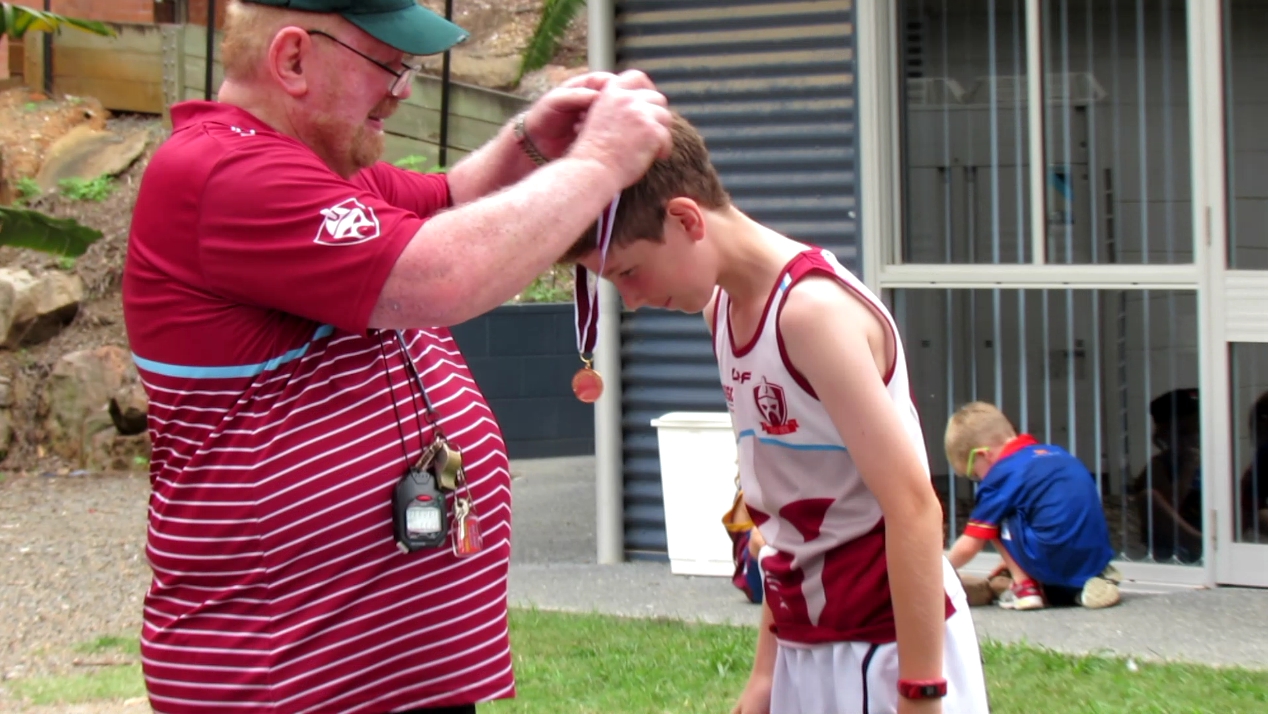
(969, 467)
(404, 78)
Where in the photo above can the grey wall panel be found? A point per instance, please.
(770, 85)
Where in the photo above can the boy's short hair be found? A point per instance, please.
(975, 425)
(641, 213)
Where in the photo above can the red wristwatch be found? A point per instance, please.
(922, 688)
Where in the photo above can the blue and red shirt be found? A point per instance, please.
(1047, 500)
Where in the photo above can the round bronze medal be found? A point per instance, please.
(587, 385)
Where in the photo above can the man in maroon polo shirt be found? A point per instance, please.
(287, 298)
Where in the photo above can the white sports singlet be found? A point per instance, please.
(826, 577)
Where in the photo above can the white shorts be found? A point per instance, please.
(862, 678)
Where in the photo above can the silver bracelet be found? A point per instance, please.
(526, 143)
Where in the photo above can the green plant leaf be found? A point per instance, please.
(556, 16)
(24, 228)
(16, 21)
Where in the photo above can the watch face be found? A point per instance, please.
(422, 520)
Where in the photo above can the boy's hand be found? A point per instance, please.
(919, 706)
(755, 698)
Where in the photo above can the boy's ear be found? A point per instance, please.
(686, 214)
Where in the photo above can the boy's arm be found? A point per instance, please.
(842, 348)
(966, 546)
(756, 696)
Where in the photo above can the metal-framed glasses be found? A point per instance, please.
(404, 78)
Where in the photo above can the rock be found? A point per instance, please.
(78, 394)
(34, 309)
(1000, 583)
(490, 72)
(128, 409)
(977, 590)
(538, 82)
(86, 152)
(109, 451)
(6, 191)
(6, 432)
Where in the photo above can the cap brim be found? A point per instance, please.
(414, 30)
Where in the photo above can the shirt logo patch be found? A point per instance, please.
(348, 223)
(773, 408)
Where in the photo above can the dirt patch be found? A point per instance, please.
(499, 33)
(502, 27)
(30, 122)
(73, 552)
(100, 319)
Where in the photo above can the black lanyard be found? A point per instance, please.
(413, 380)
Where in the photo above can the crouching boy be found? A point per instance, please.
(1038, 504)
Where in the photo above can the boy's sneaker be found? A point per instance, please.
(1111, 574)
(1102, 590)
(1025, 595)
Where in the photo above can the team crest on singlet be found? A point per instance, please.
(773, 407)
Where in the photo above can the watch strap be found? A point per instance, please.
(922, 688)
(526, 142)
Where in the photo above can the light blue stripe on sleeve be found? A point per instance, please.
(797, 447)
(246, 370)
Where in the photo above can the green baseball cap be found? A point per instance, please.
(402, 24)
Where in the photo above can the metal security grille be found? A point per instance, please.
(770, 85)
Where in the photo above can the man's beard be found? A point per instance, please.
(367, 147)
(351, 150)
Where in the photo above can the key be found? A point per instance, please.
(468, 540)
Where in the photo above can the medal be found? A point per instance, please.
(587, 384)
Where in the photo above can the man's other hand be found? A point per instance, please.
(626, 127)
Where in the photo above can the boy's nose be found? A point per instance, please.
(631, 299)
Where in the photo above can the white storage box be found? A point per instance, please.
(697, 472)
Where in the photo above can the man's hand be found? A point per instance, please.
(625, 128)
(554, 120)
(756, 697)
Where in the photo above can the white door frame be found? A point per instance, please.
(1235, 300)
(879, 83)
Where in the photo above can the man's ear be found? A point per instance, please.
(288, 58)
(688, 215)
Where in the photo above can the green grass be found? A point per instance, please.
(28, 189)
(123, 682)
(591, 664)
(111, 644)
(573, 664)
(77, 189)
(1027, 679)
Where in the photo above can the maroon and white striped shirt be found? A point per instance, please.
(251, 274)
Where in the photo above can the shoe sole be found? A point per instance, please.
(1099, 593)
(1033, 602)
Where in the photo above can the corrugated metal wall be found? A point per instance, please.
(771, 87)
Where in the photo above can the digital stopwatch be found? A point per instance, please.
(419, 514)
